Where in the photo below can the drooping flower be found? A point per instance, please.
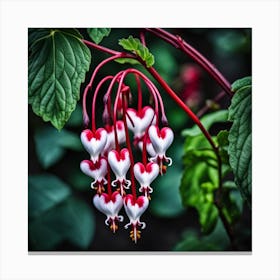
(94, 142)
(145, 175)
(134, 208)
(161, 141)
(120, 164)
(97, 171)
(110, 205)
(138, 121)
(110, 144)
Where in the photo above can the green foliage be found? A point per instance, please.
(207, 121)
(57, 66)
(134, 45)
(240, 136)
(56, 216)
(216, 241)
(50, 144)
(97, 34)
(200, 178)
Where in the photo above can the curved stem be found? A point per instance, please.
(179, 43)
(174, 96)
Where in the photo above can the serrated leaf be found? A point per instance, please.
(44, 192)
(240, 138)
(55, 215)
(127, 60)
(207, 121)
(50, 144)
(56, 68)
(134, 45)
(97, 34)
(241, 83)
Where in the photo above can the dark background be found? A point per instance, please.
(166, 219)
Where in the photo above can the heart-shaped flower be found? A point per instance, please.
(94, 142)
(145, 175)
(138, 121)
(149, 147)
(161, 141)
(97, 171)
(110, 144)
(110, 205)
(134, 208)
(120, 163)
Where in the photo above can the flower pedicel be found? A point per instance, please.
(111, 154)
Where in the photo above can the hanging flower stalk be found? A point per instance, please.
(119, 181)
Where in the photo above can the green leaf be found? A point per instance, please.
(134, 45)
(207, 121)
(56, 68)
(97, 34)
(240, 137)
(50, 144)
(241, 83)
(127, 60)
(216, 241)
(44, 192)
(200, 180)
(55, 215)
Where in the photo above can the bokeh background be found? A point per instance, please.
(61, 214)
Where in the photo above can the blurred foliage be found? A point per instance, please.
(56, 215)
(61, 214)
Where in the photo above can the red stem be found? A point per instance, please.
(178, 42)
(182, 105)
(133, 186)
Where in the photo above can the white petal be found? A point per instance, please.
(146, 175)
(119, 162)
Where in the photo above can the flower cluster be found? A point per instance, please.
(112, 152)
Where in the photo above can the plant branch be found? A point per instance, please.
(179, 43)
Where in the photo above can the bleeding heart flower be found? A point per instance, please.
(134, 208)
(110, 206)
(97, 171)
(138, 121)
(94, 142)
(145, 175)
(161, 141)
(149, 147)
(120, 163)
(110, 144)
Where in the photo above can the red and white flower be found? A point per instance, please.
(145, 175)
(97, 171)
(134, 208)
(161, 141)
(94, 142)
(110, 205)
(120, 164)
(110, 144)
(139, 121)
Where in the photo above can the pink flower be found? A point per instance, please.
(110, 144)
(97, 171)
(134, 208)
(145, 175)
(94, 142)
(120, 163)
(161, 141)
(110, 205)
(139, 121)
